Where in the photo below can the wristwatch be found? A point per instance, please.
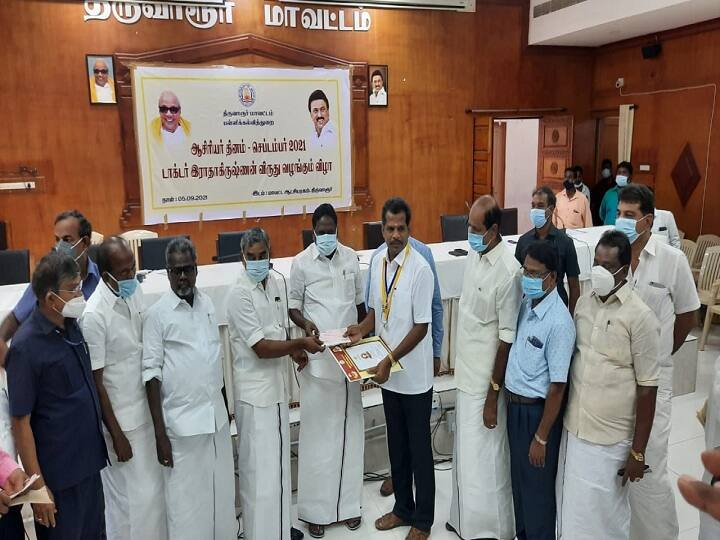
(637, 456)
(495, 386)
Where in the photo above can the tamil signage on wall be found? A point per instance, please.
(225, 142)
(211, 13)
(334, 19)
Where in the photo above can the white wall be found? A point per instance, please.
(597, 22)
(521, 154)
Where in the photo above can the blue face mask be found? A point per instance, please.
(628, 227)
(66, 248)
(538, 218)
(258, 270)
(125, 287)
(477, 241)
(326, 243)
(533, 287)
(621, 180)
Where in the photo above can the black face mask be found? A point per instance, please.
(569, 184)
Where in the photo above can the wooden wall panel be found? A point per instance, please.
(420, 147)
(666, 122)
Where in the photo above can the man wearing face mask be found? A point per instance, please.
(56, 419)
(257, 321)
(613, 387)
(602, 184)
(326, 293)
(542, 209)
(535, 383)
(72, 237)
(661, 276)
(182, 372)
(579, 182)
(112, 326)
(609, 204)
(481, 504)
(573, 208)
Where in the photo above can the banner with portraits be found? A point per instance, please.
(227, 142)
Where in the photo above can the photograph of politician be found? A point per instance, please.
(169, 128)
(100, 78)
(378, 96)
(323, 134)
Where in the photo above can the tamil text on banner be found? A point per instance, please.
(226, 142)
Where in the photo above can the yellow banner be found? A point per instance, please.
(232, 142)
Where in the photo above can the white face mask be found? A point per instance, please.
(73, 308)
(603, 282)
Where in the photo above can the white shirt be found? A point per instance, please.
(412, 304)
(112, 328)
(256, 313)
(104, 94)
(327, 292)
(173, 138)
(380, 98)
(663, 281)
(327, 139)
(585, 190)
(489, 306)
(664, 224)
(181, 348)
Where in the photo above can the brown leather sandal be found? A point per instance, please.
(389, 521)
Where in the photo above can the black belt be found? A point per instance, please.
(522, 400)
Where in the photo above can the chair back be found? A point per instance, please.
(134, 238)
(704, 241)
(454, 227)
(710, 269)
(14, 266)
(96, 238)
(509, 222)
(372, 234)
(688, 248)
(307, 237)
(152, 252)
(227, 247)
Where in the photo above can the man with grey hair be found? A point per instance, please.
(257, 321)
(170, 128)
(182, 371)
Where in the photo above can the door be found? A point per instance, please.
(482, 156)
(607, 142)
(554, 150)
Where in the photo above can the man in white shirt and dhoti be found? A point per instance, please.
(326, 293)
(482, 505)
(613, 387)
(257, 322)
(112, 327)
(400, 312)
(182, 371)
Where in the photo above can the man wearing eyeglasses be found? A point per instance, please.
(169, 128)
(102, 87)
(535, 382)
(72, 237)
(182, 372)
(55, 409)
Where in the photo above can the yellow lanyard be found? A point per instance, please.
(387, 291)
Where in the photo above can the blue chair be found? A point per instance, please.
(152, 252)
(14, 266)
(227, 247)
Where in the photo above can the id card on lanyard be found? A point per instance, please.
(387, 290)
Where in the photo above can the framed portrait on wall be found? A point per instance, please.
(378, 96)
(100, 78)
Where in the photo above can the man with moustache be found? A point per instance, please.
(323, 134)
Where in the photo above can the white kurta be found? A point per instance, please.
(264, 470)
(481, 504)
(592, 504)
(134, 494)
(709, 526)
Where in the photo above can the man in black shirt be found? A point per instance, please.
(543, 207)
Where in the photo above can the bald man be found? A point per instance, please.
(102, 87)
(482, 505)
(170, 128)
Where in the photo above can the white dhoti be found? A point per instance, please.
(330, 458)
(592, 503)
(652, 501)
(264, 470)
(200, 488)
(482, 505)
(134, 490)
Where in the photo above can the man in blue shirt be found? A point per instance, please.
(609, 204)
(72, 236)
(535, 382)
(386, 489)
(54, 406)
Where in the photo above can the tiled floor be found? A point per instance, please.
(686, 444)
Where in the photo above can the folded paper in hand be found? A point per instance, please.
(330, 338)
